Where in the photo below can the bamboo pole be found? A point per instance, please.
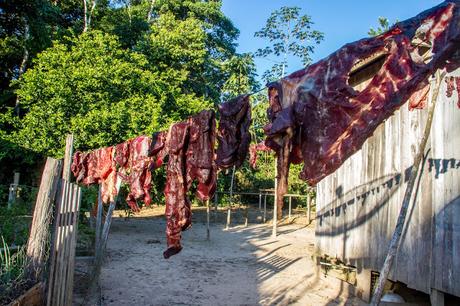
(395, 240)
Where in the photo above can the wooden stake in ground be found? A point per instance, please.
(229, 210)
(208, 235)
(100, 248)
(394, 243)
(275, 208)
(39, 231)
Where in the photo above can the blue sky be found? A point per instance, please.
(340, 21)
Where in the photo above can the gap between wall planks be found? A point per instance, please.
(395, 240)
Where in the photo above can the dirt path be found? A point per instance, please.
(242, 266)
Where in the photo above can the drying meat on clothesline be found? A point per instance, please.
(233, 134)
(128, 161)
(323, 114)
(190, 146)
(253, 149)
(191, 157)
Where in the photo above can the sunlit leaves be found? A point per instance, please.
(289, 33)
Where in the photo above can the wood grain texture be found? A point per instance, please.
(39, 231)
(62, 264)
(356, 226)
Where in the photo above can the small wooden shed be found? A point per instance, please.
(358, 205)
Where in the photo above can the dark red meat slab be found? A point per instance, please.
(233, 133)
(190, 145)
(318, 118)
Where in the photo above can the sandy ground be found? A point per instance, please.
(241, 266)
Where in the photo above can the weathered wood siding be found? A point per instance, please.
(358, 205)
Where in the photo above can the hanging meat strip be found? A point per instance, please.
(129, 161)
(191, 157)
(233, 134)
(138, 166)
(178, 212)
(324, 113)
(200, 154)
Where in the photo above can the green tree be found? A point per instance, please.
(384, 25)
(96, 90)
(241, 76)
(289, 34)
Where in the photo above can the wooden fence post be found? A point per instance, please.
(290, 207)
(39, 231)
(100, 208)
(229, 210)
(99, 249)
(275, 204)
(265, 208)
(208, 235)
(67, 157)
(13, 189)
(216, 200)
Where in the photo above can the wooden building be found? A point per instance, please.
(358, 205)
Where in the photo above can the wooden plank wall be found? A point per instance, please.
(60, 286)
(358, 204)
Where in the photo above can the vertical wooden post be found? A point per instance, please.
(290, 207)
(208, 236)
(394, 242)
(100, 208)
(56, 246)
(265, 208)
(67, 157)
(13, 189)
(275, 204)
(246, 216)
(73, 243)
(216, 200)
(308, 208)
(94, 284)
(260, 200)
(38, 238)
(229, 210)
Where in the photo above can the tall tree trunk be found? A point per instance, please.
(88, 14)
(149, 16)
(85, 16)
(91, 12)
(25, 58)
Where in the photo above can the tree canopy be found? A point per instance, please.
(289, 33)
(108, 70)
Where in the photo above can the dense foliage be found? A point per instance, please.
(113, 70)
